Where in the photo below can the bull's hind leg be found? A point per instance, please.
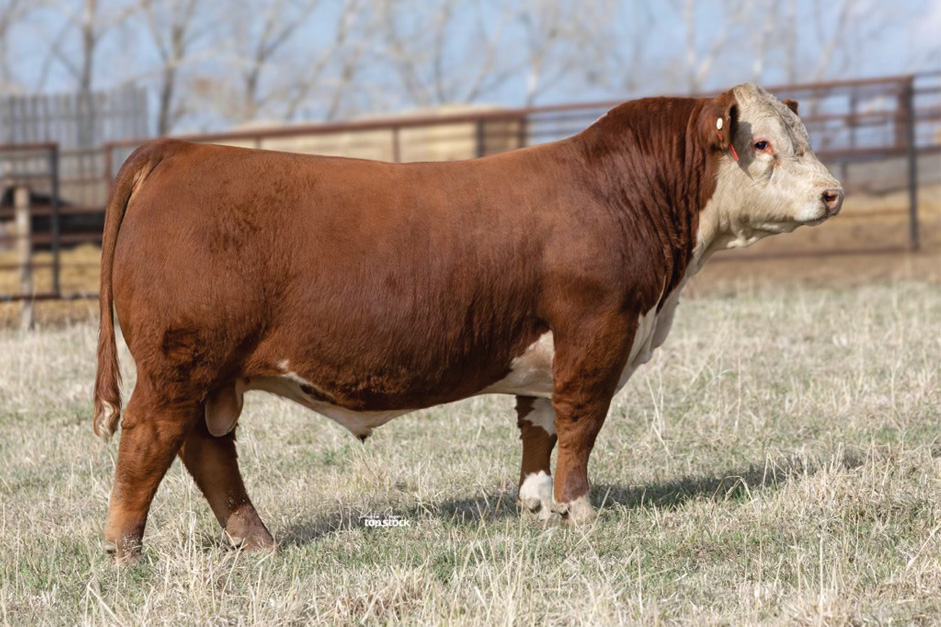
(536, 422)
(151, 434)
(213, 462)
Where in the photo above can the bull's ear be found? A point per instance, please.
(720, 121)
(791, 104)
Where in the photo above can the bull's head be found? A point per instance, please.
(769, 180)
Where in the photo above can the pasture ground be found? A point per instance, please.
(777, 462)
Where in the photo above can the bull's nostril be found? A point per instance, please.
(833, 199)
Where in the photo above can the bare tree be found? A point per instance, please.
(700, 60)
(247, 46)
(257, 51)
(453, 51)
(174, 29)
(761, 23)
(790, 41)
(325, 77)
(89, 22)
(216, 64)
(560, 41)
(12, 14)
(828, 39)
(613, 41)
(285, 59)
(832, 38)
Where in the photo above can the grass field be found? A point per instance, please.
(779, 461)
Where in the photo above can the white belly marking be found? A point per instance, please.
(531, 372)
(641, 348)
(359, 423)
(542, 415)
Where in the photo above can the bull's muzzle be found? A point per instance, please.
(833, 200)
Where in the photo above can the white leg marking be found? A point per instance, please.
(536, 493)
(542, 415)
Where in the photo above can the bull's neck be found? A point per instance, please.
(717, 227)
(644, 162)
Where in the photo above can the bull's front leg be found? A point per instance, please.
(586, 368)
(536, 421)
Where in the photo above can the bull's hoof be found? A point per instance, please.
(550, 518)
(253, 544)
(124, 553)
(540, 511)
(578, 512)
(246, 532)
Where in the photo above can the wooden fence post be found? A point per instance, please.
(24, 250)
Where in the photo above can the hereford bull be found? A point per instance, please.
(366, 290)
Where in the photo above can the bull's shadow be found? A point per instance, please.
(466, 511)
(670, 495)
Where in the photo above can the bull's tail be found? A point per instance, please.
(108, 377)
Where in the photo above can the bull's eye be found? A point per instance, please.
(762, 145)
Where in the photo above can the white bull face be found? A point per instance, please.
(777, 183)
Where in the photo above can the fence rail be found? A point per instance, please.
(885, 123)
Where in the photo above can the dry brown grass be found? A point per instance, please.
(777, 462)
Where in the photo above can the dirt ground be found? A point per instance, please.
(876, 224)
